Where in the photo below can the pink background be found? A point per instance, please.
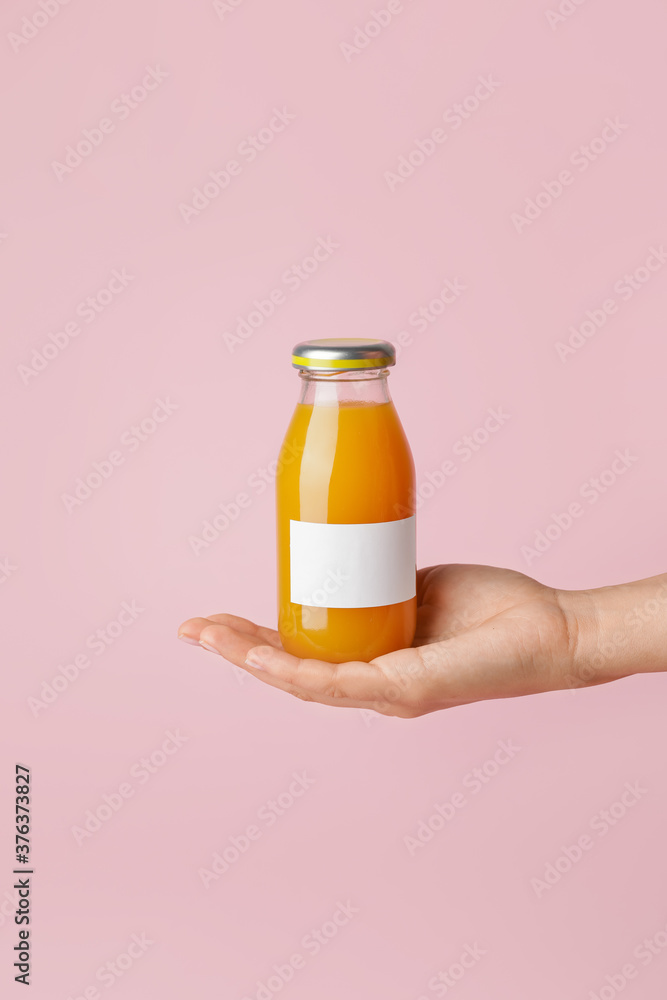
(375, 779)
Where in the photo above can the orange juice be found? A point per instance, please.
(345, 510)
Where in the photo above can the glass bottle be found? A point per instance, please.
(345, 492)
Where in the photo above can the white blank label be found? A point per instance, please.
(352, 565)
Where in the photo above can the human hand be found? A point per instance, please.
(481, 633)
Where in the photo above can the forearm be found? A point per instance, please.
(618, 631)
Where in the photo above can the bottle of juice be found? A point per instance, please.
(345, 508)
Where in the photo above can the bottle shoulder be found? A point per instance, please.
(354, 463)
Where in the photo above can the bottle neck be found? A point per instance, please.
(344, 387)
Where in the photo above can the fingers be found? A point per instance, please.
(192, 628)
(235, 644)
(276, 667)
(227, 635)
(269, 635)
(389, 684)
(354, 681)
(346, 685)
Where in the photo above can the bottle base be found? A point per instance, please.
(348, 634)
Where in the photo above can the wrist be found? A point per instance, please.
(617, 631)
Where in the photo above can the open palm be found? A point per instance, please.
(482, 632)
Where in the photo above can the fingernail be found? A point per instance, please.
(254, 661)
(186, 638)
(211, 649)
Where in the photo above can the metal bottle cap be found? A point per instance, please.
(343, 353)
